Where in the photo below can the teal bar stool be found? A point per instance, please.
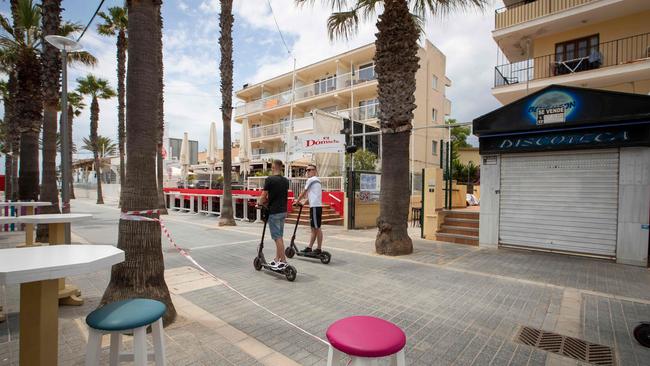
(127, 316)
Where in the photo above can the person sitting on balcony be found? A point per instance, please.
(595, 59)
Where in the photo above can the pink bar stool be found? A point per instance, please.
(365, 339)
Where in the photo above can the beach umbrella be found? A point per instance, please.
(244, 149)
(185, 158)
(212, 149)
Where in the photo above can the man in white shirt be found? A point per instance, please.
(314, 192)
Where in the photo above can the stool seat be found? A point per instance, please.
(366, 336)
(126, 314)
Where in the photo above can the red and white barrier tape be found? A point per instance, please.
(135, 216)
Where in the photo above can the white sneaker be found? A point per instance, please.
(281, 265)
(273, 264)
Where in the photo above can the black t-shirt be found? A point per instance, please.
(277, 186)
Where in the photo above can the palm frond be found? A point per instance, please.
(6, 26)
(335, 5)
(68, 28)
(82, 57)
(422, 8)
(95, 87)
(343, 24)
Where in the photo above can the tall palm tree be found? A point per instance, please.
(105, 146)
(75, 106)
(27, 101)
(142, 272)
(116, 22)
(396, 62)
(51, 70)
(225, 68)
(97, 88)
(161, 120)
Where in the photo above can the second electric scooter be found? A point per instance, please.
(292, 249)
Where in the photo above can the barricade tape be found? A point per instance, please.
(135, 216)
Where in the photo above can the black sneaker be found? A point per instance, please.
(306, 250)
(317, 251)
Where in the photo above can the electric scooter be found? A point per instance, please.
(292, 249)
(260, 262)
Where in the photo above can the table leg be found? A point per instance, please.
(68, 294)
(29, 229)
(39, 317)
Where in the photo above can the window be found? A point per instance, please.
(367, 72)
(434, 114)
(434, 147)
(325, 85)
(577, 55)
(367, 109)
(434, 82)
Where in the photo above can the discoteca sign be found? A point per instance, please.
(317, 143)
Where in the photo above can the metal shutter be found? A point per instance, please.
(565, 201)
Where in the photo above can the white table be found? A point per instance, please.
(37, 270)
(30, 206)
(68, 294)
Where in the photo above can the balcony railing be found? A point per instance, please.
(362, 113)
(339, 82)
(607, 54)
(269, 156)
(527, 10)
(300, 124)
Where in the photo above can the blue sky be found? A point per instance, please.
(191, 56)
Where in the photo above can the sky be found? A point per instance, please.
(191, 57)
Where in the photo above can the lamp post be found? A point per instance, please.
(65, 45)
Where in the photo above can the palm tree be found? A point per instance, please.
(142, 272)
(105, 146)
(116, 22)
(97, 88)
(396, 62)
(161, 121)
(75, 106)
(22, 45)
(225, 68)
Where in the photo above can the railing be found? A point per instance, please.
(300, 124)
(527, 10)
(606, 54)
(269, 156)
(298, 184)
(335, 83)
(362, 113)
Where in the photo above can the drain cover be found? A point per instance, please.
(595, 354)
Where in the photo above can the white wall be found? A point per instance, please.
(490, 185)
(633, 206)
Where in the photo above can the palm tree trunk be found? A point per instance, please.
(121, 71)
(8, 162)
(51, 62)
(49, 191)
(225, 68)
(161, 122)
(142, 272)
(15, 153)
(396, 63)
(94, 119)
(29, 113)
(70, 120)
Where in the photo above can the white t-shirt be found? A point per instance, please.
(314, 192)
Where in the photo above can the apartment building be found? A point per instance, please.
(599, 44)
(565, 160)
(343, 87)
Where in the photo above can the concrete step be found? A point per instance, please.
(469, 231)
(473, 223)
(457, 238)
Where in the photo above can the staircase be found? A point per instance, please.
(330, 216)
(459, 227)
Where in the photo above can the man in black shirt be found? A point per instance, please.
(274, 196)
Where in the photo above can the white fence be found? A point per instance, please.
(298, 184)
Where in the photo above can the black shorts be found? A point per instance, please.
(315, 217)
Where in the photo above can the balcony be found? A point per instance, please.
(527, 10)
(362, 113)
(337, 83)
(279, 155)
(618, 53)
(281, 128)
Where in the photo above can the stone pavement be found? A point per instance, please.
(458, 305)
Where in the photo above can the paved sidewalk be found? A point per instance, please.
(458, 305)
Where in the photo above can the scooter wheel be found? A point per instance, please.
(642, 334)
(290, 272)
(257, 263)
(289, 252)
(325, 257)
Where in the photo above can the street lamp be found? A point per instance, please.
(65, 45)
